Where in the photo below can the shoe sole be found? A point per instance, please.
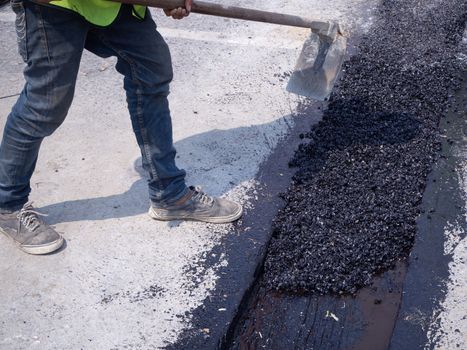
(213, 220)
(38, 249)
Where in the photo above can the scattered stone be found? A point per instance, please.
(329, 314)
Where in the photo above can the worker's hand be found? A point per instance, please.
(180, 12)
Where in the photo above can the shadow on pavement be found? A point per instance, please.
(215, 159)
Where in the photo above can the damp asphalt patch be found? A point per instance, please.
(352, 206)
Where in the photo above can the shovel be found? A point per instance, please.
(322, 54)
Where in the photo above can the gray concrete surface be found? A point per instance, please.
(123, 280)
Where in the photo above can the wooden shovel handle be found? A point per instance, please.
(208, 8)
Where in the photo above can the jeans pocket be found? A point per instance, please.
(21, 28)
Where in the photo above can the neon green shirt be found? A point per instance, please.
(98, 12)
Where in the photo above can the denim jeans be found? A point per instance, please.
(51, 42)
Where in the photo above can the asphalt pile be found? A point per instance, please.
(352, 206)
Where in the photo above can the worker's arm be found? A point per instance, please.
(180, 12)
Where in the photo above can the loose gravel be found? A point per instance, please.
(352, 206)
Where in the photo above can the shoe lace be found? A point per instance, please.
(29, 217)
(202, 197)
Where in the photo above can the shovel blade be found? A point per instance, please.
(318, 66)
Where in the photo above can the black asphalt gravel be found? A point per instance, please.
(351, 209)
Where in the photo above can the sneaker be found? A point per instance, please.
(196, 205)
(30, 234)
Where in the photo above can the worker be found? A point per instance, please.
(51, 38)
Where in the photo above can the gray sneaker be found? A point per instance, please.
(197, 205)
(30, 234)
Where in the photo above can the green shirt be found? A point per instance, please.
(98, 12)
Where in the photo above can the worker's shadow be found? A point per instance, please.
(218, 160)
(221, 159)
(132, 202)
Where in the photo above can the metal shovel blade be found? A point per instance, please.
(318, 66)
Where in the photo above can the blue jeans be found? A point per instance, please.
(51, 42)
